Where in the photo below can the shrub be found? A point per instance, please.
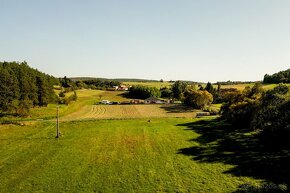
(61, 94)
(166, 93)
(198, 99)
(241, 107)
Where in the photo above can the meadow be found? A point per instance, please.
(114, 148)
(130, 111)
(110, 156)
(168, 85)
(87, 107)
(150, 84)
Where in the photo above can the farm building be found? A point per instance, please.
(153, 100)
(120, 88)
(123, 88)
(202, 114)
(136, 101)
(125, 103)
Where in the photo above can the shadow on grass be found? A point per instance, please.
(220, 142)
(125, 95)
(177, 108)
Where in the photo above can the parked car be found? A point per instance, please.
(105, 102)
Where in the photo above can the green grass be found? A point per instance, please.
(90, 97)
(129, 155)
(243, 86)
(237, 86)
(85, 97)
(85, 108)
(108, 156)
(150, 84)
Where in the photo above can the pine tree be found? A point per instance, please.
(42, 93)
(9, 91)
(209, 88)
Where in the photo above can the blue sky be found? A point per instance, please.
(205, 40)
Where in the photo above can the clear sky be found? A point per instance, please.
(205, 40)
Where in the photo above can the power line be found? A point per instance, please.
(57, 122)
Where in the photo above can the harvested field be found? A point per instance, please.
(130, 111)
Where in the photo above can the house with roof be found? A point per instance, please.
(153, 100)
(123, 88)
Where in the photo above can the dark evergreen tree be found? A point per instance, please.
(9, 91)
(280, 77)
(21, 87)
(42, 91)
(178, 89)
(209, 88)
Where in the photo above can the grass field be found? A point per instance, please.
(110, 156)
(114, 148)
(85, 98)
(168, 85)
(237, 86)
(150, 84)
(130, 111)
(85, 108)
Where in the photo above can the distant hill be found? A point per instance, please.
(112, 79)
(279, 77)
(128, 80)
(235, 82)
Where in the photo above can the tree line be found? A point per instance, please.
(22, 87)
(182, 91)
(143, 92)
(71, 84)
(279, 77)
(229, 82)
(100, 83)
(114, 79)
(266, 112)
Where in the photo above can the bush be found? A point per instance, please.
(212, 111)
(240, 108)
(166, 93)
(69, 99)
(240, 113)
(273, 114)
(255, 109)
(198, 99)
(23, 108)
(61, 94)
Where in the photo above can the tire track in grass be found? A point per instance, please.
(88, 112)
(123, 112)
(79, 114)
(98, 112)
(93, 111)
(102, 110)
(105, 109)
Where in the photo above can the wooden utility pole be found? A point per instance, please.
(57, 122)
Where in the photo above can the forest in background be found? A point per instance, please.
(22, 87)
